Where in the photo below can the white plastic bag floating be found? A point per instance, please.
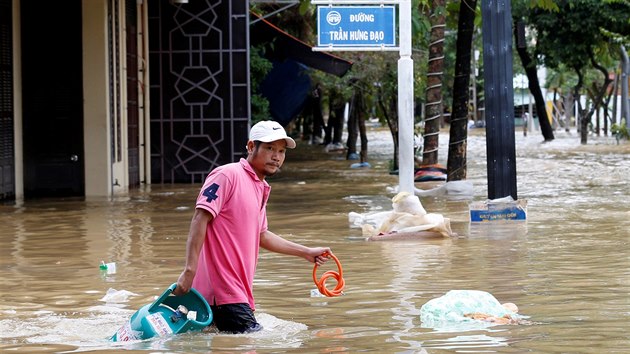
(467, 307)
(408, 216)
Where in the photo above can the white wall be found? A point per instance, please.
(97, 142)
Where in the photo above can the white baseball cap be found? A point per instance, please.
(268, 131)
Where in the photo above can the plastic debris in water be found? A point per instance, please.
(107, 268)
(361, 165)
(316, 293)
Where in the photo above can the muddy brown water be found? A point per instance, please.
(568, 267)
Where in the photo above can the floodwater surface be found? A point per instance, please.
(567, 267)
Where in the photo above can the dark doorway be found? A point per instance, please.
(52, 98)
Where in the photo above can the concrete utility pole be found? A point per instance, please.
(405, 102)
(499, 98)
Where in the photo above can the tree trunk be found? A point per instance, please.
(534, 88)
(435, 70)
(456, 165)
(353, 124)
(364, 138)
(356, 125)
(391, 118)
(582, 122)
(597, 100)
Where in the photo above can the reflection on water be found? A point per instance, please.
(567, 267)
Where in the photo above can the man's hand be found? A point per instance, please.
(184, 283)
(318, 255)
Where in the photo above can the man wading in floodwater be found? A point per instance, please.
(229, 226)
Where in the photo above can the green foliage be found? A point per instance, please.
(421, 25)
(259, 67)
(544, 4)
(620, 131)
(561, 79)
(579, 30)
(452, 10)
(339, 90)
(305, 5)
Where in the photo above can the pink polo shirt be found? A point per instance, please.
(237, 199)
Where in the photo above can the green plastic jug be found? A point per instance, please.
(169, 314)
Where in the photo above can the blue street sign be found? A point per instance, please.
(356, 26)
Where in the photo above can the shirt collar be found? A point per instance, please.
(248, 168)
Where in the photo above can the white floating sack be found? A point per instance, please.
(408, 216)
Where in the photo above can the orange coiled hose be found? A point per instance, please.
(321, 283)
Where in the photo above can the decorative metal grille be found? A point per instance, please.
(199, 77)
(133, 125)
(113, 36)
(7, 160)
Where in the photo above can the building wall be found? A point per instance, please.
(191, 92)
(98, 172)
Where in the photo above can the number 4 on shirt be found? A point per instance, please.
(211, 192)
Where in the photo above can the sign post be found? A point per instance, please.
(372, 28)
(405, 103)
